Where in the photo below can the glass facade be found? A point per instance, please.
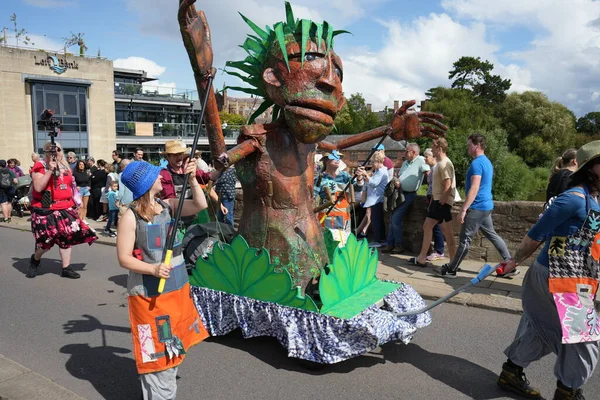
(69, 103)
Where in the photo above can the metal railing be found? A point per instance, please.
(164, 129)
(155, 91)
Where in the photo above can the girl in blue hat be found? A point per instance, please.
(163, 326)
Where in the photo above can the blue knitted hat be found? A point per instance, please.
(139, 176)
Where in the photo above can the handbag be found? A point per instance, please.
(76, 194)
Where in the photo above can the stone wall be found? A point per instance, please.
(512, 221)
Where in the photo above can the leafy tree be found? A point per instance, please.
(460, 109)
(355, 117)
(589, 124)
(538, 129)
(472, 74)
(232, 119)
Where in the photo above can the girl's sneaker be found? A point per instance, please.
(435, 256)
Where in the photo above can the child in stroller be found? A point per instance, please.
(20, 201)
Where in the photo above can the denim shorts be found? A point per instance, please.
(84, 191)
(3, 197)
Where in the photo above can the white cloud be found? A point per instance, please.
(140, 63)
(416, 57)
(36, 42)
(50, 3)
(564, 58)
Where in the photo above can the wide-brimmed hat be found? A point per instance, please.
(139, 176)
(333, 155)
(586, 153)
(175, 147)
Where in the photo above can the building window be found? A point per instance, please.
(68, 103)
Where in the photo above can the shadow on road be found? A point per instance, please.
(120, 280)
(47, 266)
(113, 376)
(269, 351)
(462, 375)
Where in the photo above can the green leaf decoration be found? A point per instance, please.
(289, 14)
(351, 285)
(265, 104)
(244, 89)
(264, 35)
(330, 243)
(280, 35)
(259, 47)
(242, 270)
(306, 23)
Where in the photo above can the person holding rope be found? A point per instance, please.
(560, 286)
(164, 327)
(54, 217)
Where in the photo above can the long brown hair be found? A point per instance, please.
(144, 206)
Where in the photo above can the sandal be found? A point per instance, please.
(413, 261)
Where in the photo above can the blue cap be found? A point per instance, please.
(139, 176)
(334, 155)
(379, 147)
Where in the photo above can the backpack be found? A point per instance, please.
(6, 179)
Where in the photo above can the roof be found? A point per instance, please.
(390, 144)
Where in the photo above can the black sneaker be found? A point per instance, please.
(445, 272)
(514, 380)
(69, 273)
(33, 267)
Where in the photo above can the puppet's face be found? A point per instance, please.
(310, 95)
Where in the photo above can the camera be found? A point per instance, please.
(48, 123)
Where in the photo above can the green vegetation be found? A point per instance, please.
(525, 131)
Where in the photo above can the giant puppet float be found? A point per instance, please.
(267, 279)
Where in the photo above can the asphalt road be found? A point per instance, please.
(76, 333)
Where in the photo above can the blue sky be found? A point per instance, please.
(399, 48)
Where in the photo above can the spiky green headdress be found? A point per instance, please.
(258, 48)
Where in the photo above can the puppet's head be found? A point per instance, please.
(294, 68)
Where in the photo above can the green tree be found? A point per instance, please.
(538, 129)
(355, 117)
(232, 119)
(460, 109)
(472, 74)
(589, 124)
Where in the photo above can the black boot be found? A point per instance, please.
(69, 273)
(566, 393)
(33, 267)
(512, 378)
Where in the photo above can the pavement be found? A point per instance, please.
(494, 293)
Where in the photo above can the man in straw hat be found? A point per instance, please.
(173, 175)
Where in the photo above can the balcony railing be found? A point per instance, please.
(155, 92)
(163, 129)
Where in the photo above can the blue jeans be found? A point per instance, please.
(395, 235)
(113, 217)
(230, 206)
(438, 239)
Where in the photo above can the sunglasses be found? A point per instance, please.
(58, 150)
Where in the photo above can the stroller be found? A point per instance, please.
(20, 201)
